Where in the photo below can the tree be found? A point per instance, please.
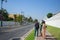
(4, 14)
(49, 15)
(20, 18)
(30, 19)
(10, 19)
(35, 20)
(26, 19)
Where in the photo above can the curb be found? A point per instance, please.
(24, 36)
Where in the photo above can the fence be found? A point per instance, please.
(9, 23)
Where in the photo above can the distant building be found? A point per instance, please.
(12, 15)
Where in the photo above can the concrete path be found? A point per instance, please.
(48, 37)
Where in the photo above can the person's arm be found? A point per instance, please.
(44, 25)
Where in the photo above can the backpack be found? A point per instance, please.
(37, 25)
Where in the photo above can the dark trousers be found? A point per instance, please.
(40, 29)
(36, 32)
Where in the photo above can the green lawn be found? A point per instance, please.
(54, 31)
(30, 36)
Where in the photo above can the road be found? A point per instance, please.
(15, 33)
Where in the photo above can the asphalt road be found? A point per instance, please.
(15, 33)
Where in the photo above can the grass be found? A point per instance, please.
(54, 31)
(30, 36)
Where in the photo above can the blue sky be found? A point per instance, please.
(35, 8)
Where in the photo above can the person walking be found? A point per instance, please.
(36, 27)
(43, 29)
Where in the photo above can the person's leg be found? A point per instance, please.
(44, 33)
(35, 32)
(41, 31)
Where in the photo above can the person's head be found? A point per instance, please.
(43, 22)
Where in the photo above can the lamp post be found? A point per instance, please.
(2, 11)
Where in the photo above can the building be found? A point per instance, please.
(12, 15)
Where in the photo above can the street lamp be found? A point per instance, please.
(2, 10)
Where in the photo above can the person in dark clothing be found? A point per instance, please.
(41, 27)
(36, 27)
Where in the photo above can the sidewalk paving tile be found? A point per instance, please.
(48, 37)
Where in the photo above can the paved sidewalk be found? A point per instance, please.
(48, 37)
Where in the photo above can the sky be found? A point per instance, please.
(37, 9)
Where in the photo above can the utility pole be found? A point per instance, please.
(2, 10)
